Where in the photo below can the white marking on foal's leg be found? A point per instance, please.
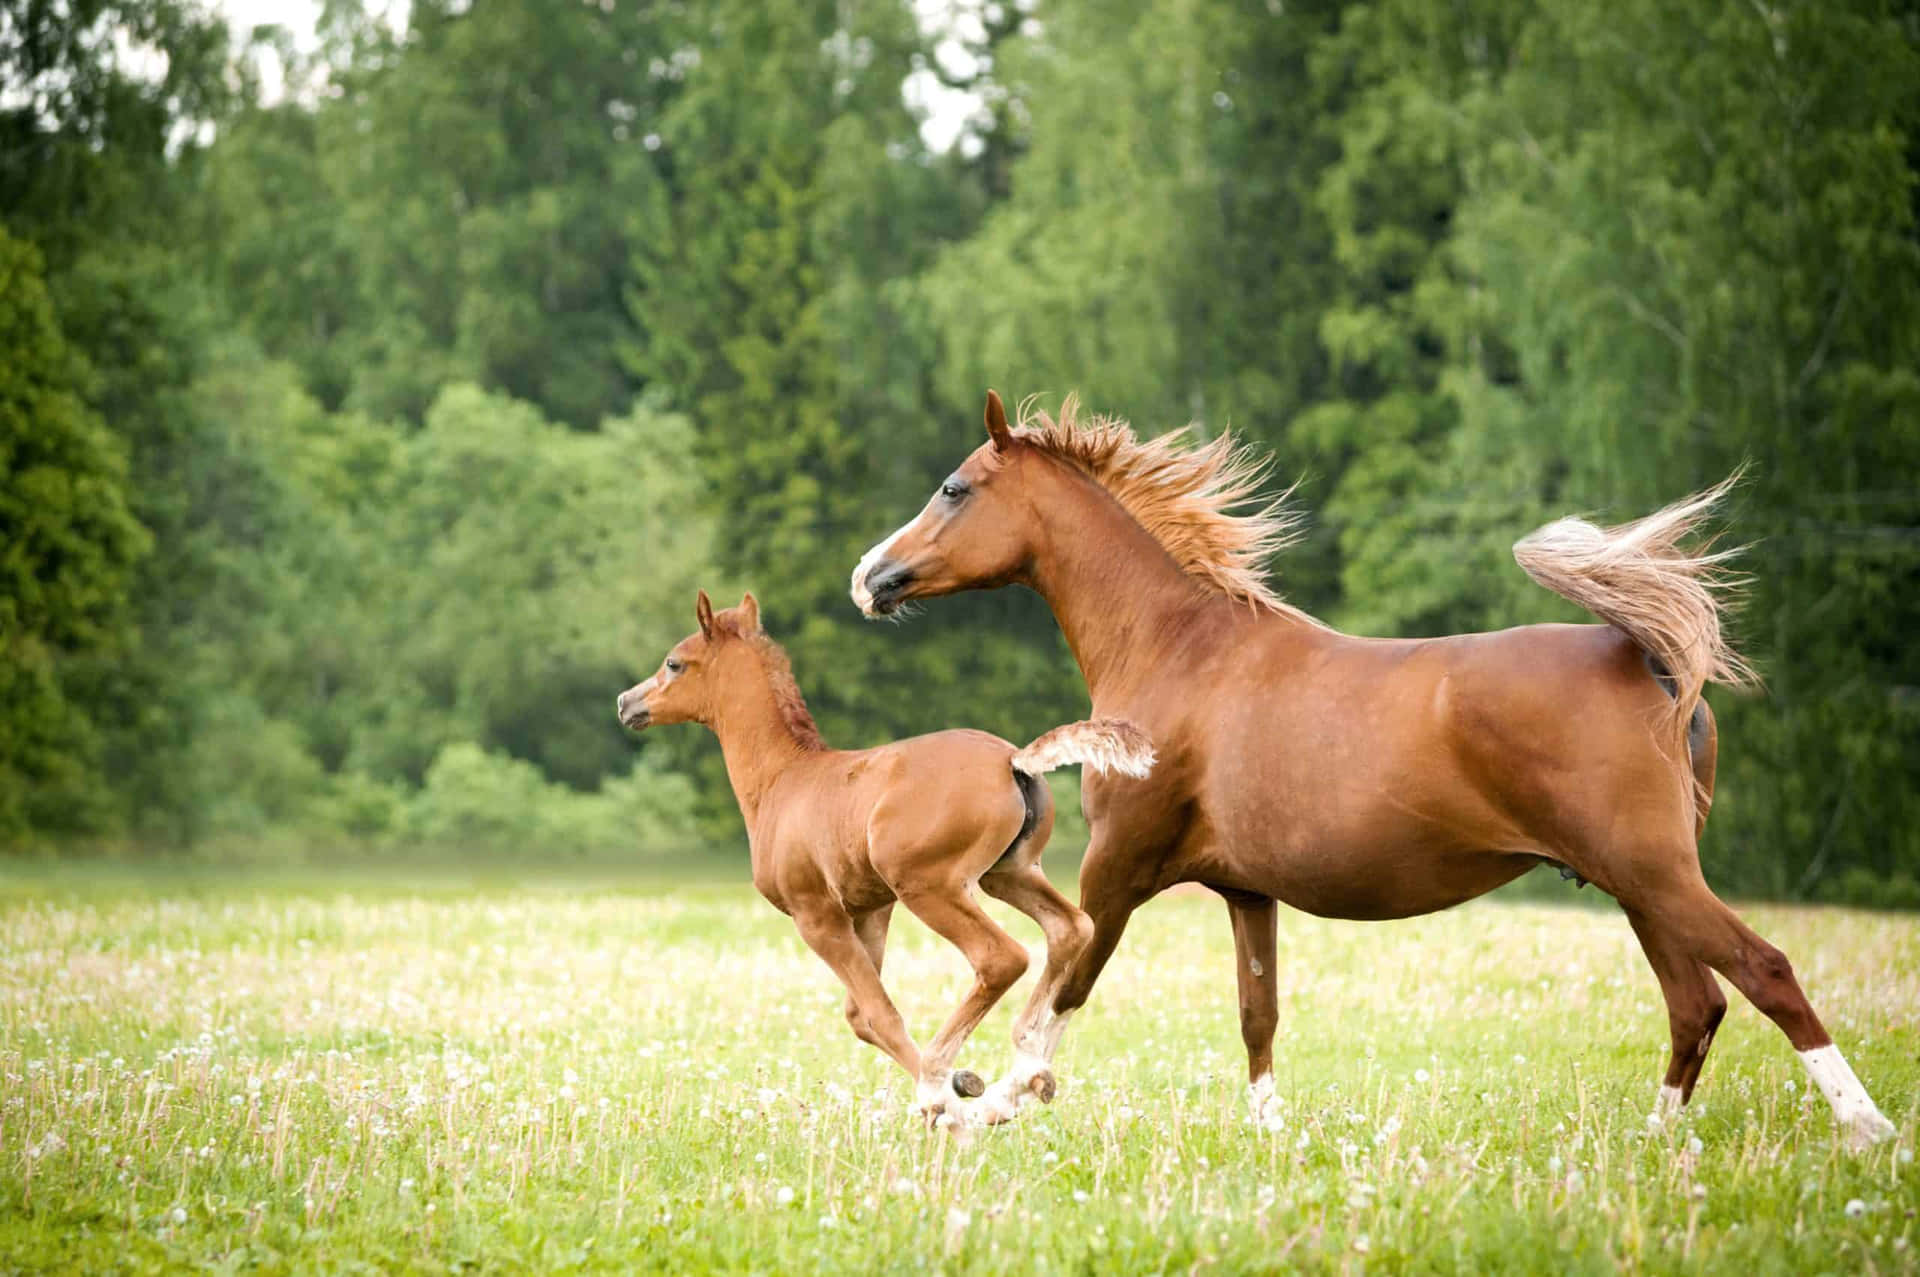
(863, 597)
(1853, 1108)
(1669, 1104)
(1032, 1058)
(1027, 1067)
(935, 1101)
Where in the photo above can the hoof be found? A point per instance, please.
(967, 1083)
(1042, 1086)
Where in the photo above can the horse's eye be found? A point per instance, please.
(952, 491)
(673, 665)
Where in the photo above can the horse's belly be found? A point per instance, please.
(1382, 871)
(1387, 886)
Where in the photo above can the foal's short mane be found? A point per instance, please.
(786, 692)
(1185, 496)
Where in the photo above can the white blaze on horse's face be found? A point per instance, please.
(862, 596)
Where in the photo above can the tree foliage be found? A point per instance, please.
(67, 544)
(438, 384)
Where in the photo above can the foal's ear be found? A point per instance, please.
(750, 612)
(703, 612)
(997, 423)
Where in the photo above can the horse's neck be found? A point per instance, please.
(757, 744)
(1119, 597)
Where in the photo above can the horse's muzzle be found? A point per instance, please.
(633, 713)
(886, 585)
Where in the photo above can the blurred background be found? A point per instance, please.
(377, 385)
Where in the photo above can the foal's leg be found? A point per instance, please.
(830, 933)
(1713, 933)
(1068, 932)
(998, 962)
(1113, 884)
(1256, 924)
(1695, 1006)
(871, 928)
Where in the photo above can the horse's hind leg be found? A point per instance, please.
(1068, 932)
(1695, 1006)
(1694, 918)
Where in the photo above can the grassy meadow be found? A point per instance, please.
(334, 1075)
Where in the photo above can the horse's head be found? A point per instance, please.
(974, 532)
(690, 681)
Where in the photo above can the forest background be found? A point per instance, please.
(374, 398)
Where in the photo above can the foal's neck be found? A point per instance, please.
(759, 740)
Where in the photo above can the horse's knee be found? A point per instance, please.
(1076, 937)
(1074, 991)
(857, 1020)
(1003, 966)
(1774, 985)
(1696, 1011)
(1716, 1005)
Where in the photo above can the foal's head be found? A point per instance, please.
(975, 531)
(696, 674)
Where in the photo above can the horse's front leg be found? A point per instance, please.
(1111, 888)
(1256, 925)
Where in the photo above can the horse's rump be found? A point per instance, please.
(1639, 578)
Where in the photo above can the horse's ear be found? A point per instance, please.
(750, 612)
(703, 612)
(997, 426)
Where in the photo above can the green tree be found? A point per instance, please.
(70, 543)
(1697, 230)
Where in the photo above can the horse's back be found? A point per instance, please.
(1379, 778)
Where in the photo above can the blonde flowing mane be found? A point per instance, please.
(1184, 496)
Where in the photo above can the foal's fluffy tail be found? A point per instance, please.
(1638, 578)
(1104, 744)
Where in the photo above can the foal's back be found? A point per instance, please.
(871, 825)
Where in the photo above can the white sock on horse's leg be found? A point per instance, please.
(1264, 1105)
(1853, 1108)
(1669, 1103)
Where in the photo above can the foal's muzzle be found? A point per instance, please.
(886, 586)
(632, 710)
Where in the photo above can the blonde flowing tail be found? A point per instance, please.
(1104, 744)
(1639, 578)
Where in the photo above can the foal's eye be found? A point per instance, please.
(674, 665)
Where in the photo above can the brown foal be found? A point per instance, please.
(837, 836)
(1354, 777)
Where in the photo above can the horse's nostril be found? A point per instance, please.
(887, 578)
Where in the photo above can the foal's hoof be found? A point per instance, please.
(1042, 1086)
(968, 1084)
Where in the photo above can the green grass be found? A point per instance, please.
(313, 1074)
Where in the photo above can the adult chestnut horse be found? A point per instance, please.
(1355, 777)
